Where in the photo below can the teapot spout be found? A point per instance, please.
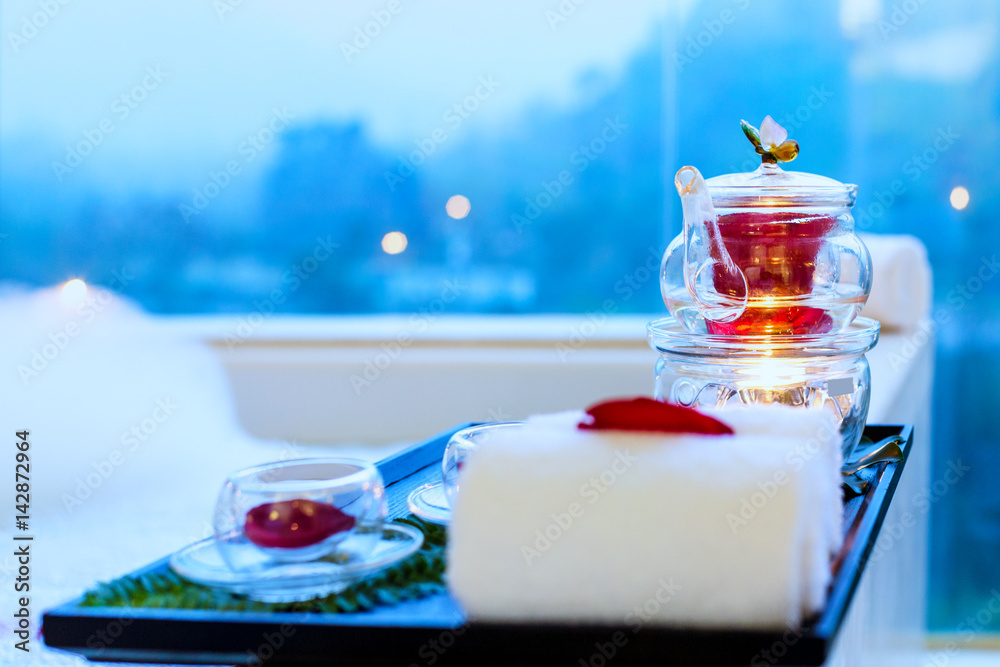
(714, 281)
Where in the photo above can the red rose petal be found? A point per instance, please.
(647, 414)
(291, 524)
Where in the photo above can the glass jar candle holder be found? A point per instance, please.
(826, 371)
(299, 511)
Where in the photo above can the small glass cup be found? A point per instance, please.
(299, 511)
(463, 443)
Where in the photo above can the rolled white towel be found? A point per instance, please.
(560, 524)
(901, 280)
(810, 436)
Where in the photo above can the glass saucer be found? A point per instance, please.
(263, 579)
(430, 503)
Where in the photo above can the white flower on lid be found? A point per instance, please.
(772, 141)
(772, 135)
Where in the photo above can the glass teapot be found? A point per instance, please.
(768, 252)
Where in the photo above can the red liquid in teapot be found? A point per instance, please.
(777, 254)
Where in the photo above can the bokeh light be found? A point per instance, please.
(959, 198)
(458, 206)
(394, 243)
(73, 292)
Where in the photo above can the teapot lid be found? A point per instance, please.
(770, 186)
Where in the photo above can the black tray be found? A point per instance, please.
(433, 631)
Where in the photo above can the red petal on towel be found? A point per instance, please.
(646, 414)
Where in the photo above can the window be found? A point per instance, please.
(331, 158)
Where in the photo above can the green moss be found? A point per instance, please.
(419, 576)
